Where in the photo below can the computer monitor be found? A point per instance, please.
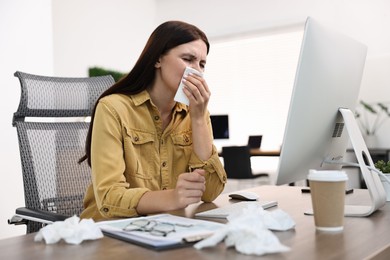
(254, 141)
(328, 78)
(220, 125)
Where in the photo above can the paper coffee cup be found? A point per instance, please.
(327, 190)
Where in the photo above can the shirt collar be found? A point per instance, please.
(181, 107)
(140, 98)
(143, 96)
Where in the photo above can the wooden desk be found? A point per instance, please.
(259, 152)
(362, 238)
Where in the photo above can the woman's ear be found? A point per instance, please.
(157, 65)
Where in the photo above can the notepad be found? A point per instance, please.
(225, 211)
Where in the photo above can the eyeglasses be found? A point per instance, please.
(153, 227)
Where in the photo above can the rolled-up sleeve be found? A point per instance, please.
(215, 174)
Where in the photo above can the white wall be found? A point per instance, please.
(364, 20)
(376, 87)
(90, 33)
(25, 45)
(112, 33)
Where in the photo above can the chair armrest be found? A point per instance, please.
(23, 214)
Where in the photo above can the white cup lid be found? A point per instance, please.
(327, 175)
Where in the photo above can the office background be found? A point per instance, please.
(64, 38)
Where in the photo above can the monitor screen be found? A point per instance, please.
(328, 77)
(254, 141)
(220, 124)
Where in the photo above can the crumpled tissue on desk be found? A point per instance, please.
(249, 231)
(72, 230)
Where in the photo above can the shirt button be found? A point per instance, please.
(136, 139)
(224, 178)
(105, 210)
(164, 164)
(156, 118)
(164, 188)
(186, 139)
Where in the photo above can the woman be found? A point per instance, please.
(148, 153)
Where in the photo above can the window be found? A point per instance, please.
(251, 79)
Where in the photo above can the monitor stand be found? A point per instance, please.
(373, 182)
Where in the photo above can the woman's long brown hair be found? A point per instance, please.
(165, 37)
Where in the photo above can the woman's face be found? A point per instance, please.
(171, 66)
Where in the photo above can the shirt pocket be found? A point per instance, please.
(182, 143)
(139, 151)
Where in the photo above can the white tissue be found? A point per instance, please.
(72, 230)
(277, 220)
(249, 231)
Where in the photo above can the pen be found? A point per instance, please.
(196, 238)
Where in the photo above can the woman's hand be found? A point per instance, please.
(189, 188)
(198, 93)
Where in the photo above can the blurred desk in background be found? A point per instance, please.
(260, 152)
(376, 154)
(354, 174)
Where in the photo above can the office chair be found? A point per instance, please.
(237, 163)
(50, 147)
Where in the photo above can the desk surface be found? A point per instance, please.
(362, 238)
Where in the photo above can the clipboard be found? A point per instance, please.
(186, 232)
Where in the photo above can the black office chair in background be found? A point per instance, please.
(237, 163)
(54, 182)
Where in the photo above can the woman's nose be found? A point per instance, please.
(196, 67)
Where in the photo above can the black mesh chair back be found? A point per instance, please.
(51, 146)
(237, 162)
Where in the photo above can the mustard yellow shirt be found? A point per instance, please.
(130, 155)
